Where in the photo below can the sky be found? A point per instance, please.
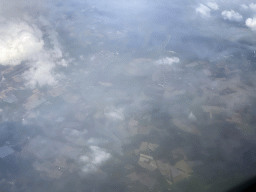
(90, 71)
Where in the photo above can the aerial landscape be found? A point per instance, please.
(128, 95)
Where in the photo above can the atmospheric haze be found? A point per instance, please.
(127, 95)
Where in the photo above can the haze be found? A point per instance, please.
(121, 95)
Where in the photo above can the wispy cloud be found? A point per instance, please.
(203, 10)
(244, 7)
(253, 6)
(213, 5)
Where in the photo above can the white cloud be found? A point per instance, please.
(251, 23)
(244, 7)
(232, 15)
(114, 114)
(213, 6)
(99, 155)
(94, 160)
(253, 6)
(20, 41)
(168, 61)
(89, 168)
(40, 73)
(203, 10)
(84, 159)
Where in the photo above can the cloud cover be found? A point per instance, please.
(27, 42)
(23, 42)
(232, 15)
(96, 158)
(19, 42)
(251, 23)
(203, 10)
(213, 5)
